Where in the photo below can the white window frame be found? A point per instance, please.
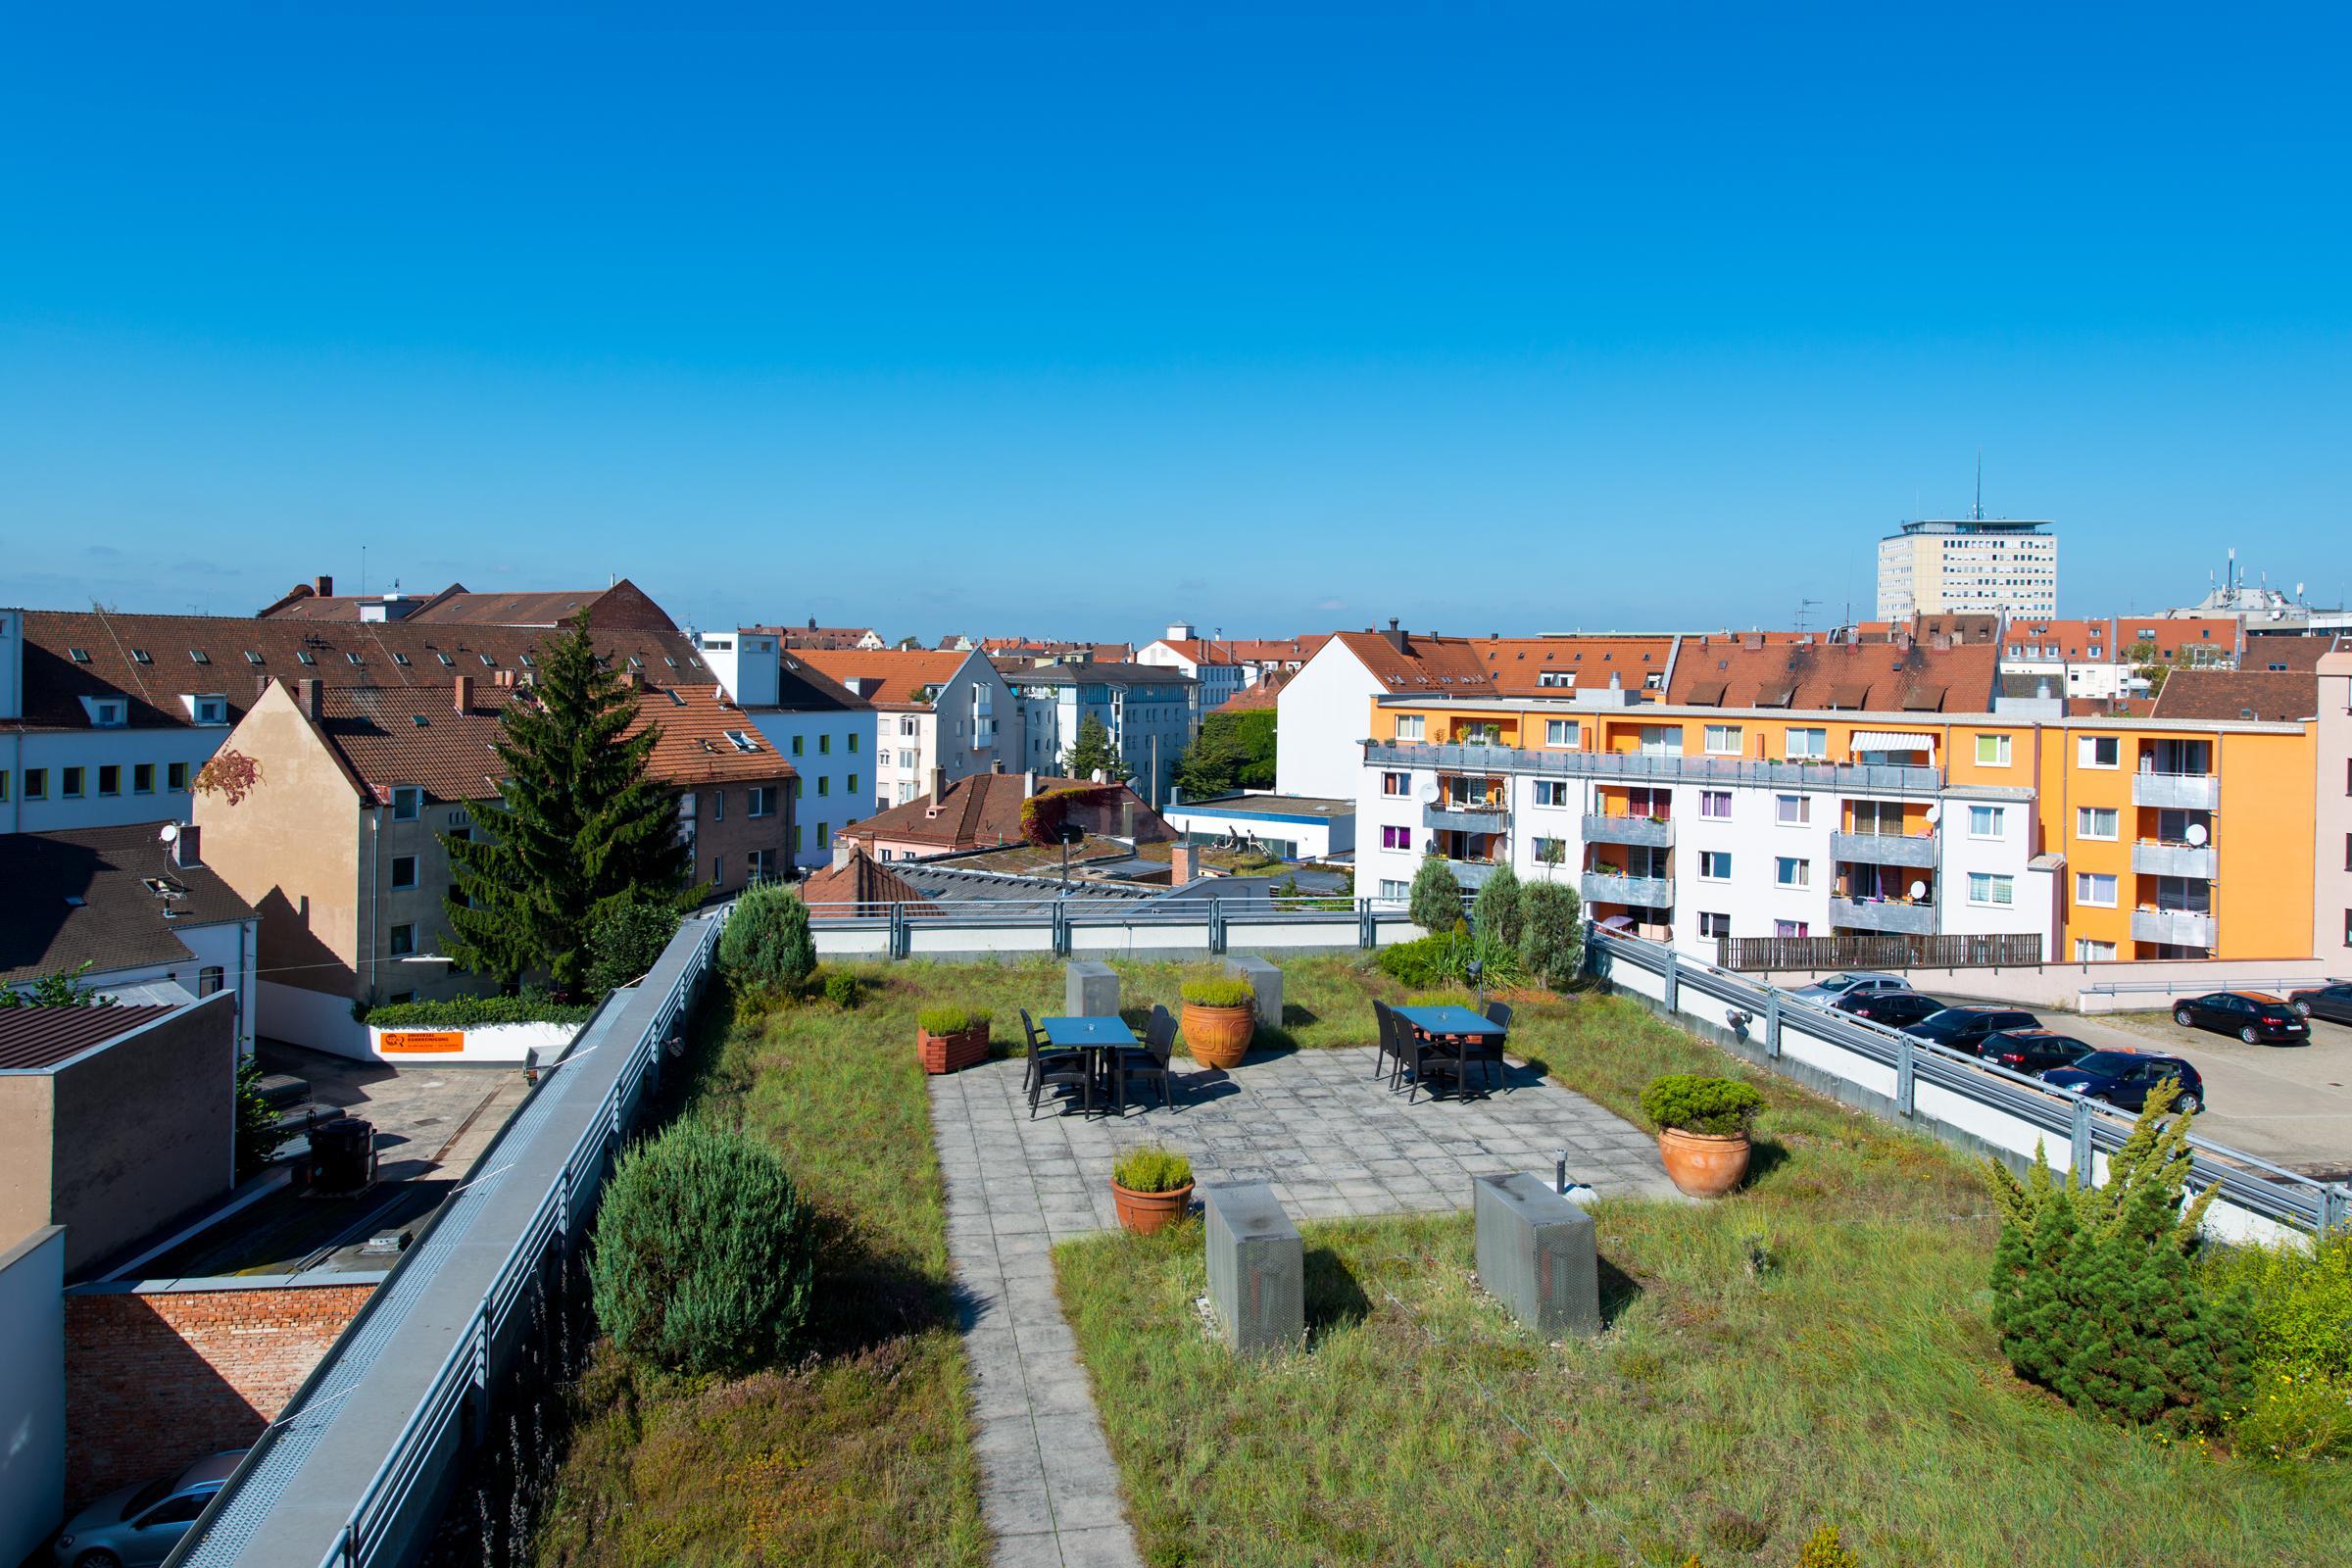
(1791, 872)
(2000, 751)
(1999, 817)
(1804, 810)
(1724, 796)
(2085, 815)
(1562, 734)
(2087, 885)
(2000, 889)
(1563, 793)
(1725, 740)
(1412, 728)
(2087, 748)
(1719, 859)
(1807, 743)
(1721, 924)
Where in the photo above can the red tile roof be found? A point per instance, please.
(1247, 650)
(1265, 695)
(1744, 672)
(860, 885)
(985, 810)
(887, 677)
(32, 1039)
(2239, 693)
(1425, 666)
(1518, 665)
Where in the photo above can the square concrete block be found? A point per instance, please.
(1536, 1254)
(1266, 980)
(1257, 1267)
(1090, 990)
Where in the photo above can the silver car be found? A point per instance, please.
(1832, 988)
(140, 1525)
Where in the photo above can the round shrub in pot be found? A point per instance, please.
(1220, 1016)
(1703, 1130)
(1151, 1187)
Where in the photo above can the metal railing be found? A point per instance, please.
(1889, 951)
(1014, 926)
(1916, 849)
(1910, 917)
(1764, 1015)
(1861, 777)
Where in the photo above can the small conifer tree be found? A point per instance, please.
(1436, 901)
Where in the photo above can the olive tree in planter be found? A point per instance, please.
(1702, 1129)
(951, 1038)
(1151, 1187)
(1220, 1016)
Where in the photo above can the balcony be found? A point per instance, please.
(1883, 849)
(1638, 892)
(1467, 818)
(2152, 858)
(1472, 874)
(2187, 792)
(1650, 832)
(1632, 768)
(1884, 914)
(2178, 928)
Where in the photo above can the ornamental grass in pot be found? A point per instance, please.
(1151, 1187)
(951, 1038)
(1220, 1016)
(1703, 1130)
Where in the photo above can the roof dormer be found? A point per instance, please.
(106, 712)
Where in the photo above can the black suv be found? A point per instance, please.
(2031, 1051)
(2330, 1001)
(1896, 1009)
(1965, 1028)
(2254, 1016)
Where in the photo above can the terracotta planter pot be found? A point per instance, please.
(1702, 1165)
(1218, 1037)
(1145, 1212)
(952, 1053)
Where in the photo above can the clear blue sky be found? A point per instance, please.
(1492, 319)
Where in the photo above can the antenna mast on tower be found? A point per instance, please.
(1980, 517)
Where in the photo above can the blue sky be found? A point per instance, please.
(1488, 318)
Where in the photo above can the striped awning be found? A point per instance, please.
(1884, 740)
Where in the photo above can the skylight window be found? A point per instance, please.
(487, 659)
(140, 656)
(402, 660)
(82, 655)
(743, 742)
(355, 658)
(199, 656)
(304, 654)
(252, 657)
(447, 662)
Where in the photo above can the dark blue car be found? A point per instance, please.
(2122, 1079)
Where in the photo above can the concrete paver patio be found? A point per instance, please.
(1318, 1125)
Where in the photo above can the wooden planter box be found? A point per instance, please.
(966, 1047)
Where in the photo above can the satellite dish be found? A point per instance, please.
(1935, 813)
(169, 833)
(1427, 794)
(2197, 834)
(1919, 890)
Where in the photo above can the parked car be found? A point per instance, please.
(1896, 1009)
(1965, 1028)
(2332, 1001)
(2254, 1016)
(2123, 1078)
(140, 1525)
(2032, 1051)
(1830, 987)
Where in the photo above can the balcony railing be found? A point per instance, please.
(2154, 857)
(1639, 892)
(2187, 792)
(1472, 873)
(2180, 928)
(1883, 849)
(1467, 818)
(1652, 832)
(1633, 769)
(1917, 918)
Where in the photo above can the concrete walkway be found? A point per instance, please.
(1315, 1124)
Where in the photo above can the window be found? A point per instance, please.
(824, 746)
(1553, 792)
(1714, 925)
(1411, 727)
(2095, 821)
(406, 801)
(825, 835)
(1791, 928)
(906, 726)
(1714, 865)
(142, 778)
(1991, 888)
(1992, 751)
(403, 941)
(1395, 783)
(824, 785)
(762, 865)
(1395, 838)
(2100, 750)
(176, 776)
(851, 741)
(718, 806)
(71, 780)
(1792, 811)
(1788, 871)
(763, 800)
(37, 783)
(1562, 732)
(2089, 951)
(1985, 822)
(2094, 889)
(209, 979)
(799, 838)
(1661, 740)
(2, 784)
(404, 871)
(110, 778)
(1723, 740)
(799, 745)
(1395, 892)
(852, 784)
(1547, 849)
(1808, 744)
(1715, 803)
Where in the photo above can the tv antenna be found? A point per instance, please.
(1979, 516)
(1803, 608)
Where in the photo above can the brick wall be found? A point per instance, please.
(157, 1378)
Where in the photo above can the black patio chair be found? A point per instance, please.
(1040, 1052)
(1487, 1052)
(1058, 1069)
(1384, 1061)
(1147, 1062)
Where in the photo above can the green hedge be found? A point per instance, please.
(475, 1012)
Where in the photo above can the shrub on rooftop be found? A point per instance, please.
(1551, 934)
(1496, 915)
(2301, 1384)
(767, 945)
(626, 938)
(703, 1252)
(1436, 901)
(1216, 990)
(475, 1013)
(1715, 1107)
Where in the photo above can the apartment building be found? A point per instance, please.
(337, 845)
(831, 736)
(2331, 852)
(1968, 565)
(1150, 713)
(1816, 791)
(812, 635)
(1226, 666)
(934, 709)
(1319, 716)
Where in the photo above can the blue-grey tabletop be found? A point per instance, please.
(1095, 1030)
(1451, 1020)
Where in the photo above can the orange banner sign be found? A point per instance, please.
(395, 1042)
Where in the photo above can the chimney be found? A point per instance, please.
(631, 679)
(939, 784)
(323, 587)
(462, 694)
(261, 686)
(1395, 637)
(1029, 785)
(843, 848)
(995, 764)
(1181, 866)
(307, 694)
(187, 849)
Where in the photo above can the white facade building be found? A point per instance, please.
(1151, 714)
(1968, 566)
(949, 711)
(829, 736)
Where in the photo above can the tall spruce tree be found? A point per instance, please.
(580, 825)
(1093, 751)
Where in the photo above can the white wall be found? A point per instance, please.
(33, 1392)
(488, 1043)
(835, 754)
(233, 947)
(318, 1019)
(1321, 718)
(52, 752)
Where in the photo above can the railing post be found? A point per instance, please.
(1905, 1087)
(2081, 1143)
(1216, 926)
(1674, 982)
(2335, 1206)
(1772, 1024)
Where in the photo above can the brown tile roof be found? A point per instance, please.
(119, 922)
(624, 607)
(1266, 694)
(985, 810)
(1962, 626)
(32, 1039)
(2239, 694)
(1872, 676)
(1519, 664)
(860, 885)
(236, 651)
(1247, 650)
(886, 677)
(816, 636)
(2182, 640)
(2275, 654)
(1426, 665)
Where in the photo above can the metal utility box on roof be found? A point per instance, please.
(1090, 990)
(1266, 984)
(1536, 1254)
(1257, 1267)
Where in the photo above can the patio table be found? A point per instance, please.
(1094, 1036)
(1452, 1024)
